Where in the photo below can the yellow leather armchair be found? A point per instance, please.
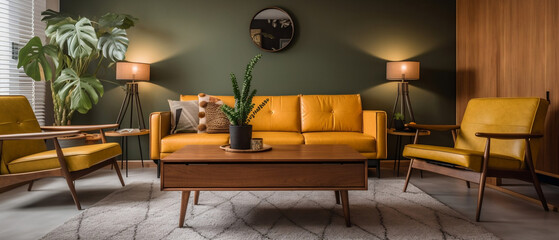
(24, 156)
(498, 137)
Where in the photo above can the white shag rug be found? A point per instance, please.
(141, 211)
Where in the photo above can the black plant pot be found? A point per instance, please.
(240, 136)
(399, 125)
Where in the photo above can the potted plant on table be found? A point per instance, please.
(399, 121)
(75, 45)
(243, 112)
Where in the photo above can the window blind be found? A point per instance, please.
(20, 20)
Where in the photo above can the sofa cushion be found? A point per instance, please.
(174, 142)
(331, 113)
(466, 158)
(78, 158)
(358, 141)
(281, 113)
(279, 138)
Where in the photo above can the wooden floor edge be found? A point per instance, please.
(522, 196)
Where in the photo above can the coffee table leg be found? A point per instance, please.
(196, 195)
(184, 204)
(345, 205)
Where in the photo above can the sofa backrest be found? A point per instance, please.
(280, 114)
(331, 113)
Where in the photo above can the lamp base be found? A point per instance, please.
(405, 103)
(132, 101)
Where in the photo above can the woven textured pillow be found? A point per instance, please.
(184, 116)
(215, 117)
(216, 121)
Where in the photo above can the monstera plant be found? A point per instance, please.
(75, 44)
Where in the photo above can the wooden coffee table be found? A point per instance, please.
(196, 168)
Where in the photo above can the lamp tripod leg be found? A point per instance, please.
(408, 102)
(394, 108)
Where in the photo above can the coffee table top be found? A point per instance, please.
(279, 153)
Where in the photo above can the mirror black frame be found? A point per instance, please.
(292, 32)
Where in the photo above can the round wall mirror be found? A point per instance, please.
(272, 29)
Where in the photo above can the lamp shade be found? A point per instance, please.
(404, 70)
(132, 71)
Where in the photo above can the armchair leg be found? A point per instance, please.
(73, 192)
(30, 186)
(115, 164)
(535, 179)
(483, 178)
(480, 195)
(408, 175)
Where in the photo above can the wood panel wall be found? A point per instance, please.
(510, 48)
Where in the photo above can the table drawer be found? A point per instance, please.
(269, 175)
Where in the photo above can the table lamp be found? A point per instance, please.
(402, 71)
(132, 72)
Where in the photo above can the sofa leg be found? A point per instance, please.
(158, 168)
(378, 168)
(30, 186)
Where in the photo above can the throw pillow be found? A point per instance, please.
(184, 116)
(216, 121)
(203, 101)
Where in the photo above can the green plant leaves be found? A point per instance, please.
(52, 17)
(80, 37)
(122, 21)
(243, 111)
(83, 91)
(32, 57)
(113, 44)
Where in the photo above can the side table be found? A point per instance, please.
(399, 135)
(124, 141)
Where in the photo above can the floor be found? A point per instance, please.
(30, 215)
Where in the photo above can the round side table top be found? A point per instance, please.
(393, 131)
(126, 134)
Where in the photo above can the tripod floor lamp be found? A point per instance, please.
(132, 72)
(402, 71)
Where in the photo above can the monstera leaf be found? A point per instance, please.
(52, 17)
(84, 91)
(80, 37)
(33, 58)
(113, 44)
(122, 21)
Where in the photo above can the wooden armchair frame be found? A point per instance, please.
(58, 131)
(528, 175)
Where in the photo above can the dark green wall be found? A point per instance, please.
(340, 47)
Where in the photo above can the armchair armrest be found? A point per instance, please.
(508, 135)
(84, 128)
(434, 127)
(38, 135)
(374, 124)
(159, 127)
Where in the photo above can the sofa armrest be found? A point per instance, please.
(374, 124)
(159, 127)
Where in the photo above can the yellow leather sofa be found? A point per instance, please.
(298, 119)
